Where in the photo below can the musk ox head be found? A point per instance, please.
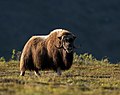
(66, 41)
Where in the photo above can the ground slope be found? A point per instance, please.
(81, 79)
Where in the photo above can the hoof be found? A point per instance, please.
(37, 73)
(22, 73)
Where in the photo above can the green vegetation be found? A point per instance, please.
(15, 55)
(87, 76)
(2, 59)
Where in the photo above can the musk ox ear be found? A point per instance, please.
(74, 37)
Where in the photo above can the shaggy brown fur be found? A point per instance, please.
(41, 52)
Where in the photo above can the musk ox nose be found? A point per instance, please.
(69, 49)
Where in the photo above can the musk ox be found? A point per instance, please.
(53, 51)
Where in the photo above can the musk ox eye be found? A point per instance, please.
(67, 40)
(71, 40)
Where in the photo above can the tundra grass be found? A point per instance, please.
(81, 79)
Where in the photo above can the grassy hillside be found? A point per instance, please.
(87, 76)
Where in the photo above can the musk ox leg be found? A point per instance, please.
(37, 72)
(22, 73)
(22, 70)
(59, 71)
